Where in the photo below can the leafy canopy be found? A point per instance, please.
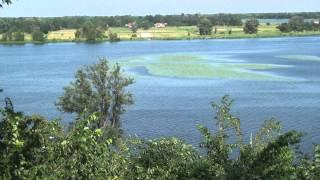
(5, 2)
(100, 89)
(251, 26)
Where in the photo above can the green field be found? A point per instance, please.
(191, 32)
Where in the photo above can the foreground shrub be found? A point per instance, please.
(164, 158)
(32, 147)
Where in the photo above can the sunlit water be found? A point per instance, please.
(34, 75)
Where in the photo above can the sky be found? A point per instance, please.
(54, 8)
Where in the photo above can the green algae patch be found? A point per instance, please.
(206, 71)
(301, 57)
(194, 66)
(179, 58)
(256, 66)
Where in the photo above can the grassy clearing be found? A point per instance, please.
(185, 32)
(67, 34)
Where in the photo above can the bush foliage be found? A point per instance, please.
(32, 147)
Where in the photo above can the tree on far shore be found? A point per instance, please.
(296, 23)
(251, 26)
(205, 26)
(91, 32)
(38, 36)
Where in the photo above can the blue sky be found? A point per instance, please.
(23, 8)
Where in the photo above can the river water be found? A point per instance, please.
(170, 99)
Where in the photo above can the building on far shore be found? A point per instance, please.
(160, 25)
(129, 25)
(316, 21)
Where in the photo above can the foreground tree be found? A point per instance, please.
(268, 156)
(251, 26)
(98, 88)
(32, 147)
(5, 2)
(25, 143)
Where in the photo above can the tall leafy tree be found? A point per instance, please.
(205, 26)
(38, 36)
(5, 2)
(269, 155)
(98, 88)
(251, 26)
(284, 27)
(296, 23)
(91, 32)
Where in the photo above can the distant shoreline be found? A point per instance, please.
(316, 34)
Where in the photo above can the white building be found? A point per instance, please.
(160, 25)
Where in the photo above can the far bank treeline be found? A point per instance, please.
(91, 28)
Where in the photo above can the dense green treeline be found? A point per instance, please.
(93, 147)
(306, 15)
(45, 25)
(298, 24)
(56, 23)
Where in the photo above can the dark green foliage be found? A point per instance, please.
(25, 143)
(4, 26)
(32, 147)
(296, 23)
(205, 27)
(45, 28)
(163, 159)
(145, 25)
(284, 27)
(91, 32)
(225, 19)
(44, 25)
(8, 36)
(134, 27)
(251, 26)
(18, 36)
(308, 26)
(38, 36)
(113, 37)
(5, 2)
(13, 36)
(269, 155)
(98, 88)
